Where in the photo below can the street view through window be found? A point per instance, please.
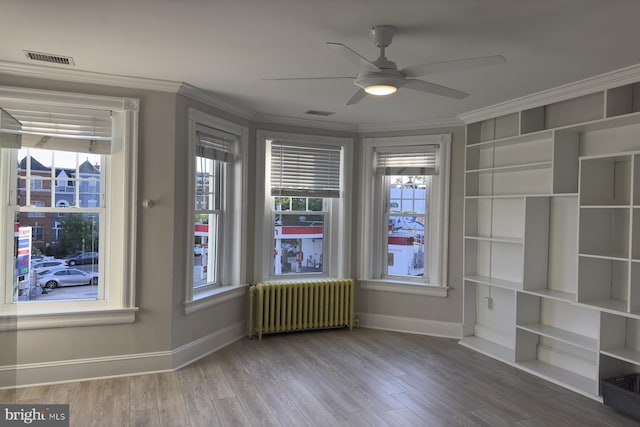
(407, 222)
(57, 225)
(298, 235)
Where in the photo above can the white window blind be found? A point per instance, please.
(305, 170)
(214, 144)
(9, 131)
(64, 129)
(418, 160)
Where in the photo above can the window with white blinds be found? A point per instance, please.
(404, 235)
(69, 176)
(416, 160)
(214, 249)
(299, 170)
(214, 144)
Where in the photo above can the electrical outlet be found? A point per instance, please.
(488, 302)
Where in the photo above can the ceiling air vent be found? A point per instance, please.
(319, 113)
(48, 57)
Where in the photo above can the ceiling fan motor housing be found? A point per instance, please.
(382, 35)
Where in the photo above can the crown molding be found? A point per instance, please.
(308, 123)
(197, 94)
(80, 76)
(16, 97)
(586, 86)
(406, 126)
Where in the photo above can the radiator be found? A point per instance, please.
(294, 306)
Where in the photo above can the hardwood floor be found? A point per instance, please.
(363, 377)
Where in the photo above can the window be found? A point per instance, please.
(215, 249)
(60, 147)
(305, 205)
(36, 182)
(79, 229)
(37, 234)
(408, 196)
(213, 150)
(36, 204)
(298, 234)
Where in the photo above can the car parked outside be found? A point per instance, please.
(40, 267)
(67, 277)
(82, 258)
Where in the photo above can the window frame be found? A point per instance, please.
(232, 218)
(118, 304)
(374, 212)
(337, 244)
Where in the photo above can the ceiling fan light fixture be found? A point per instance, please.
(380, 90)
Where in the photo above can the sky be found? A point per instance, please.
(63, 159)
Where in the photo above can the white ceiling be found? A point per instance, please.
(227, 47)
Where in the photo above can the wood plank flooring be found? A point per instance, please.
(363, 377)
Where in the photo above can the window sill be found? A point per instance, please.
(46, 319)
(213, 297)
(402, 287)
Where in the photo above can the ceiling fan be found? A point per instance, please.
(382, 77)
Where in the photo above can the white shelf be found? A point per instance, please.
(624, 354)
(565, 336)
(513, 168)
(613, 257)
(498, 196)
(602, 124)
(521, 196)
(577, 383)
(492, 281)
(509, 240)
(551, 294)
(488, 348)
(620, 206)
(611, 305)
(512, 140)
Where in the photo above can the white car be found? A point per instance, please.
(67, 277)
(42, 266)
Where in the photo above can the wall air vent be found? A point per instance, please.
(319, 113)
(48, 57)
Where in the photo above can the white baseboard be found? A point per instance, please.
(434, 328)
(206, 345)
(32, 374)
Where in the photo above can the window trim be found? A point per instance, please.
(231, 268)
(338, 242)
(372, 212)
(118, 306)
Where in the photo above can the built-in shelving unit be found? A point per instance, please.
(552, 238)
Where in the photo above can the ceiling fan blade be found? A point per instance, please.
(460, 64)
(422, 86)
(357, 97)
(312, 78)
(354, 57)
